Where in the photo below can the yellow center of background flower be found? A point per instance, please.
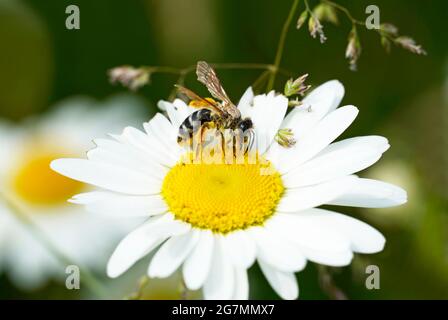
(37, 184)
(222, 197)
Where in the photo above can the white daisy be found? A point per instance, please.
(27, 180)
(215, 220)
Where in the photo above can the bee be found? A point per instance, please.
(212, 114)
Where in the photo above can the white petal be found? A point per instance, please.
(177, 111)
(295, 200)
(124, 155)
(320, 136)
(107, 176)
(241, 291)
(284, 283)
(267, 114)
(338, 159)
(197, 265)
(245, 102)
(221, 278)
(368, 193)
(316, 105)
(137, 138)
(157, 142)
(141, 241)
(276, 251)
(171, 111)
(316, 242)
(241, 248)
(379, 143)
(329, 258)
(363, 238)
(164, 132)
(171, 255)
(115, 204)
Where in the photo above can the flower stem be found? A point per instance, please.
(142, 283)
(260, 80)
(281, 45)
(183, 290)
(350, 17)
(93, 285)
(191, 68)
(328, 286)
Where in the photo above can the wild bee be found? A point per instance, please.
(220, 115)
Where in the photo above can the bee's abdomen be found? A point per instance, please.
(197, 118)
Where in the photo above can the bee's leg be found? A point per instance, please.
(197, 144)
(250, 145)
(238, 147)
(212, 148)
(249, 138)
(220, 137)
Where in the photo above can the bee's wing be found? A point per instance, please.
(208, 77)
(193, 96)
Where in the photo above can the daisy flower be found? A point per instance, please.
(28, 181)
(214, 221)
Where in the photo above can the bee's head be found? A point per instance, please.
(245, 124)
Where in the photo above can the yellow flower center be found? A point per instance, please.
(222, 197)
(37, 184)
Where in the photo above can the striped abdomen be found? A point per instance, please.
(197, 118)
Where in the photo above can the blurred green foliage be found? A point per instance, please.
(400, 95)
(25, 61)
